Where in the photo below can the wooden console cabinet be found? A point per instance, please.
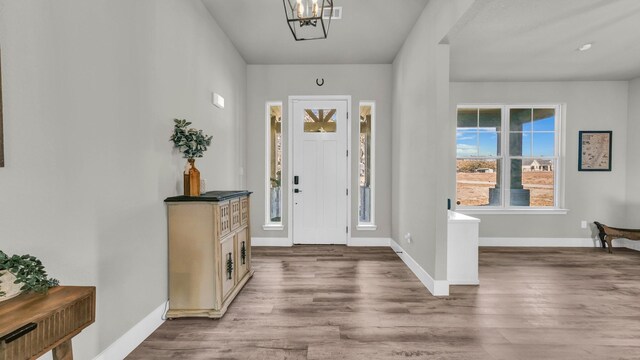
(209, 252)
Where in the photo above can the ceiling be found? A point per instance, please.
(370, 31)
(537, 40)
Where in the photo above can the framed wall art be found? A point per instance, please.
(594, 150)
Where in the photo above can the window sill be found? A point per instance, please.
(367, 227)
(512, 211)
(272, 227)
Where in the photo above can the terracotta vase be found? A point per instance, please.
(191, 179)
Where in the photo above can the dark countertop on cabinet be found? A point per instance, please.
(210, 196)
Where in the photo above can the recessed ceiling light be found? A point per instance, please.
(585, 47)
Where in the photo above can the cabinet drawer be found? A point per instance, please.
(227, 265)
(49, 330)
(223, 219)
(235, 214)
(243, 253)
(244, 211)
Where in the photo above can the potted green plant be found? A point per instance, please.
(22, 273)
(192, 143)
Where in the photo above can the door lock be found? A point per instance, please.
(297, 191)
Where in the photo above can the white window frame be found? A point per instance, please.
(505, 159)
(371, 225)
(268, 224)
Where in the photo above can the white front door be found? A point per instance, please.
(320, 172)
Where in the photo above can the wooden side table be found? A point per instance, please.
(33, 324)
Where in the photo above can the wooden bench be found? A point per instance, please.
(607, 234)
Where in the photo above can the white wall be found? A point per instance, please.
(420, 144)
(90, 90)
(633, 156)
(589, 196)
(277, 83)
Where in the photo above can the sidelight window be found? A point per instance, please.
(273, 195)
(366, 198)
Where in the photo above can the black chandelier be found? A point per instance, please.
(306, 18)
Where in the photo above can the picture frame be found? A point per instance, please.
(594, 150)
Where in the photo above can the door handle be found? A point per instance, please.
(296, 180)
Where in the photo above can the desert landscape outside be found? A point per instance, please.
(474, 178)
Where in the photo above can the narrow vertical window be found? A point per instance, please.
(273, 181)
(366, 174)
(479, 157)
(533, 156)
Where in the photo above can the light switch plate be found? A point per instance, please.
(218, 101)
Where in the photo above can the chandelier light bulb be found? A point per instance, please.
(300, 9)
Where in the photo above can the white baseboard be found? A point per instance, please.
(134, 337)
(464, 282)
(370, 242)
(538, 242)
(258, 241)
(555, 242)
(435, 287)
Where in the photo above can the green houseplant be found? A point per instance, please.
(25, 271)
(192, 143)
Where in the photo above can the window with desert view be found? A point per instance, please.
(507, 157)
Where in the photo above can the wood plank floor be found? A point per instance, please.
(335, 302)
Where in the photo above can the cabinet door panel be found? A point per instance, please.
(235, 214)
(243, 253)
(224, 219)
(228, 265)
(244, 211)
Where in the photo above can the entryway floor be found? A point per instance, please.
(338, 302)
